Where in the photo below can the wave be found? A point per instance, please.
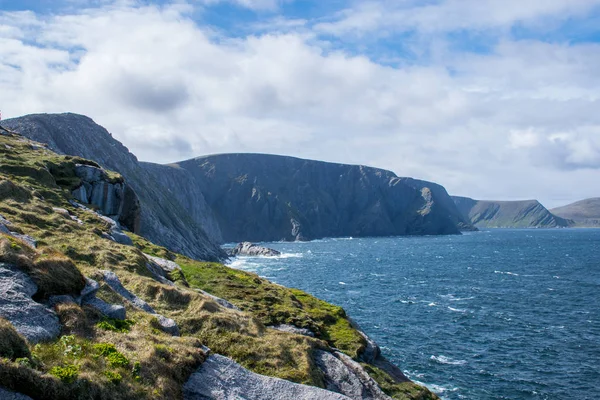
(450, 297)
(506, 273)
(447, 360)
(457, 310)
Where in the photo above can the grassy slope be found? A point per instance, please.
(154, 365)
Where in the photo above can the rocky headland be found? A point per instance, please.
(90, 308)
(508, 214)
(584, 213)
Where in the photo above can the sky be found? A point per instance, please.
(494, 99)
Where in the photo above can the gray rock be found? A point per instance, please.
(120, 237)
(293, 329)
(166, 324)
(28, 240)
(114, 311)
(8, 395)
(372, 350)
(4, 225)
(220, 378)
(89, 291)
(250, 249)
(158, 273)
(89, 173)
(167, 265)
(219, 300)
(346, 376)
(34, 321)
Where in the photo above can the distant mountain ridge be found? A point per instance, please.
(260, 197)
(508, 214)
(583, 213)
(193, 206)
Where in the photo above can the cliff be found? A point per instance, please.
(193, 205)
(259, 197)
(508, 214)
(584, 213)
(88, 310)
(177, 222)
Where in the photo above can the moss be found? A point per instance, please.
(116, 325)
(12, 345)
(66, 373)
(117, 360)
(113, 377)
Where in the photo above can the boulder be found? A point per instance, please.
(34, 321)
(162, 269)
(166, 324)
(250, 249)
(113, 311)
(346, 376)
(293, 329)
(220, 378)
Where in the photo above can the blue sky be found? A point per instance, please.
(493, 99)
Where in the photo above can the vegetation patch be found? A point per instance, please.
(12, 345)
(115, 325)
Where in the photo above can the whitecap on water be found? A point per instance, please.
(447, 360)
(342, 283)
(506, 273)
(457, 310)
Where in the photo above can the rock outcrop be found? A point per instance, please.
(175, 219)
(258, 197)
(36, 322)
(346, 376)
(250, 249)
(508, 214)
(166, 324)
(584, 213)
(113, 198)
(220, 378)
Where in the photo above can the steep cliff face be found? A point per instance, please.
(508, 214)
(258, 197)
(164, 219)
(584, 213)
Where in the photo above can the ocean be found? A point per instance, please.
(496, 314)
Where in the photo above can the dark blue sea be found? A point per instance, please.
(498, 314)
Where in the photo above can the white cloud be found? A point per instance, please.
(380, 17)
(520, 122)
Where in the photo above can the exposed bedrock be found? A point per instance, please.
(220, 378)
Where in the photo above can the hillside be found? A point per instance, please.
(89, 310)
(259, 197)
(188, 227)
(508, 214)
(192, 205)
(584, 213)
